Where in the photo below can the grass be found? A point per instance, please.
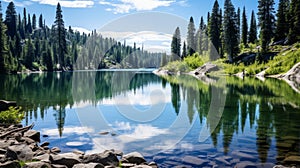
(286, 58)
(188, 64)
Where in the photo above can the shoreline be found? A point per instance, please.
(21, 147)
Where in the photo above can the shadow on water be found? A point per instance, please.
(260, 121)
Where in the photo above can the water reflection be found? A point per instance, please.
(259, 116)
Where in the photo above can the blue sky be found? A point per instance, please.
(92, 14)
(129, 19)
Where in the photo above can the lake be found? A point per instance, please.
(175, 120)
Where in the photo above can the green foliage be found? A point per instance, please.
(231, 30)
(176, 45)
(253, 29)
(177, 66)
(194, 61)
(13, 115)
(214, 27)
(191, 46)
(266, 22)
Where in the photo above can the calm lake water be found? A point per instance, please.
(172, 121)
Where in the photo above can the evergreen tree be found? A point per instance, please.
(282, 24)
(231, 34)
(11, 20)
(191, 37)
(199, 38)
(29, 26)
(253, 29)
(25, 20)
(184, 52)
(214, 27)
(239, 21)
(294, 22)
(266, 22)
(176, 45)
(41, 21)
(33, 22)
(3, 45)
(60, 36)
(244, 28)
(163, 60)
(29, 56)
(221, 53)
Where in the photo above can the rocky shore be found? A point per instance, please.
(21, 147)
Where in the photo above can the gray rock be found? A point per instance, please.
(55, 150)
(58, 166)
(245, 164)
(153, 165)
(194, 160)
(10, 164)
(134, 157)
(244, 156)
(19, 152)
(37, 165)
(67, 159)
(280, 166)
(2, 151)
(34, 135)
(45, 144)
(27, 140)
(45, 158)
(142, 166)
(88, 165)
(4, 105)
(292, 160)
(78, 152)
(127, 165)
(106, 158)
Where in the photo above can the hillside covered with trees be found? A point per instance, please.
(27, 43)
(229, 36)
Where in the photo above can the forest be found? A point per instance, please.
(228, 35)
(28, 44)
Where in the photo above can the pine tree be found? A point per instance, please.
(244, 28)
(163, 60)
(266, 22)
(294, 22)
(24, 21)
(253, 29)
(231, 34)
(3, 45)
(199, 37)
(60, 36)
(176, 45)
(11, 20)
(33, 22)
(191, 37)
(184, 52)
(41, 21)
(29, 56)
(282, 24)
(239, 21)
(29, 25)
(214, 27)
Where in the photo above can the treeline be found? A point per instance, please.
(226, 31)
(27, 43)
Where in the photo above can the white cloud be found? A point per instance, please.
(125, 6)
(68, 4)
(20, 4)
(68, 130)
(183, 3)
(81, 30)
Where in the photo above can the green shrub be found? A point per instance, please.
(194, 61)
(13, 115)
